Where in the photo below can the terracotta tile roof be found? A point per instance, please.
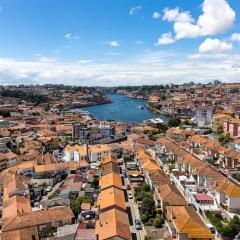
(108, 168)
(158, 176)
(229, 188)
(81, 149)
(135, 136)
(48, 167)
(149, 164)
(113, 223)
(109, 157)
(109, 180)
(187, 221)
(144, 141)
(170, 195)
(20, 234)
(100, 148)
(46, 158)
(40, 217)
(111, 197)
(233, 120)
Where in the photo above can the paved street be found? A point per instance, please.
(49, 194)
(133, 213)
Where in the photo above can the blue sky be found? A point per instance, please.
(107, 42)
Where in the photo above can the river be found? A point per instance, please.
(123, 109)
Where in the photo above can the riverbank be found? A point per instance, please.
(123, 109)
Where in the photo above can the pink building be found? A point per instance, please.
(232, 126)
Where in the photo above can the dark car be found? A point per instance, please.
(138, 224)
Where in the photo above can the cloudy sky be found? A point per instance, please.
(111, 43)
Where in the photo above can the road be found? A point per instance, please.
(49, 194)
(133, 213)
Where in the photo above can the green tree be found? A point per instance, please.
(225, 138)
(75, 204)
(147, 238)
(95, 182)
(158, 221)
(219, 130)
(174, 122)
(146, 187)
(154, 132)
(147, 210)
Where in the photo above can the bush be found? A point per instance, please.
(75, 204)
(228, 231)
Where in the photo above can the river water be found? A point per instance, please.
(123, 109)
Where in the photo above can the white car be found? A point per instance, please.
(130, 196)
(49, 189)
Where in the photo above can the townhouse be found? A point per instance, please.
(206, 149)
(112, 222)
(168, 195)
(184, 223)
(192, 176)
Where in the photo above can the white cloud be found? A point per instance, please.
(135, 10)
(158, 67)
(156, 15)
(114, 44)
(214, 46)
(138, 42)
(217, 17)
(70, 36)
(235, 37)
(166, 38)
(174, 15)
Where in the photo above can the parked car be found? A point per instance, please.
(211, 228)
(130, 196)
(128, 187)
(49, 189)
(138, 224)
(237, 237)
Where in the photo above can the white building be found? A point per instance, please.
(75, 153)
(96, 152)
(204, 116)
(106, 129)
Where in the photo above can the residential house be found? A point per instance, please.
(228, 195)
(168, 195)
(232, 126)
(184, 223)
(96, 152)
(113, 224)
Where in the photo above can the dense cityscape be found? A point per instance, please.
(120, 120)
(67, 175)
